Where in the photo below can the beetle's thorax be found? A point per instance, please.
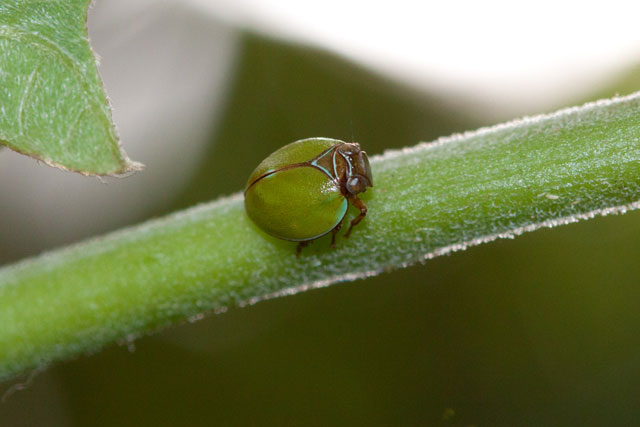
(347, 165)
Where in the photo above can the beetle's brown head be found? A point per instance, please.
(359, 175)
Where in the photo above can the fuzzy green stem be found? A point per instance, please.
(428, 200)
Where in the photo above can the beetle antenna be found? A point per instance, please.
(353, 138)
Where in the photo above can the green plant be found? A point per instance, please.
(429, 200)
(53, 105)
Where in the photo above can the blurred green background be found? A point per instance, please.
(539, 330)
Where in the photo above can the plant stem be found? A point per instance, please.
(428, 200)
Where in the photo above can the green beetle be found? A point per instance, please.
(302, 191)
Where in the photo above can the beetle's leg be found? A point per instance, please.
(363, 212)
(300, 246)
(333, 234)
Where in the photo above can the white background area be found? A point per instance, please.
(522, 55)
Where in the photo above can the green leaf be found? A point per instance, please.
(52, 104)
(429, 200)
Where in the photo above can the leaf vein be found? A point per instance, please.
(26, 94)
